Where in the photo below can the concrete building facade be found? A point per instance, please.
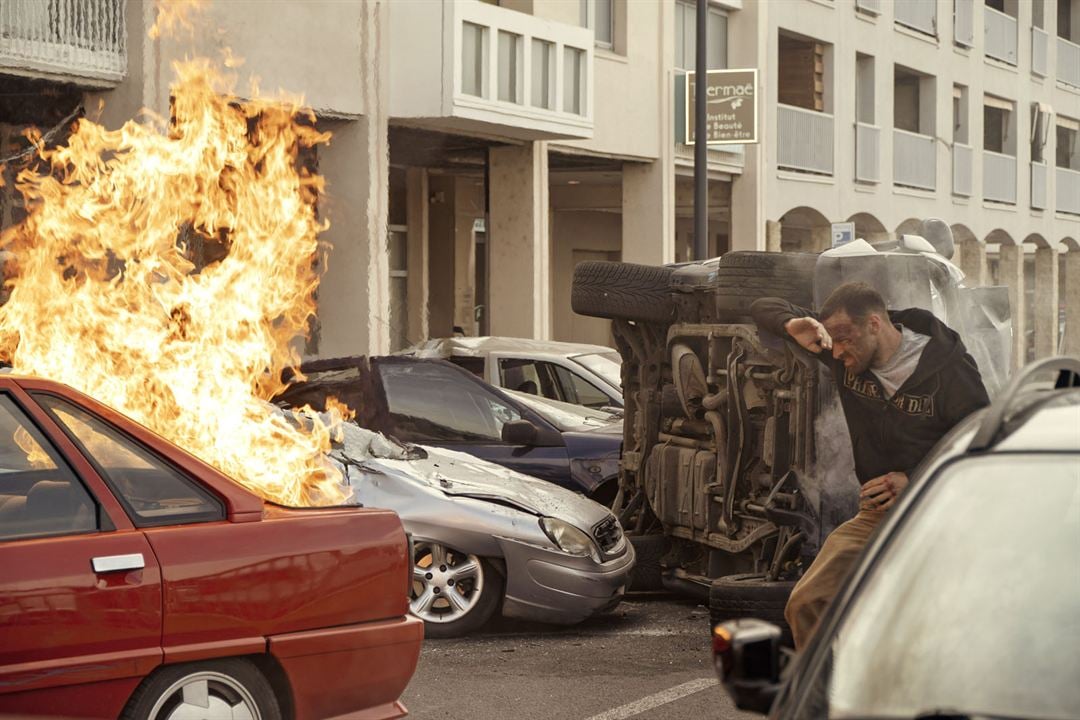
(482, 149)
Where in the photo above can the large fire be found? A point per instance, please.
(109, 293)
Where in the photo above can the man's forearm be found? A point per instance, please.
(771, 314)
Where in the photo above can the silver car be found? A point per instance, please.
(484, 536)
(576, 373)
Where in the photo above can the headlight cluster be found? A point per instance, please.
(569, 538)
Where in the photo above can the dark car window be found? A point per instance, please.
(431, 402)
(529, 376)
(475, 365)
(151, 490)
(39, 495)
(972, 607)
(580, 391)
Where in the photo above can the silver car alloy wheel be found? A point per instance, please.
(446, 583)
(205, 696)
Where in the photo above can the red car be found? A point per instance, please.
(136, 581)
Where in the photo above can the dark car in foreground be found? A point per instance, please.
(964, 604)
(433, 402)
(137, 581)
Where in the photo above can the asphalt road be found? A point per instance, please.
(649, 660)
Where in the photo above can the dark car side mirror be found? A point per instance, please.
(520, 432)
(747, 658)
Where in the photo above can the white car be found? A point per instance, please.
(576, 373)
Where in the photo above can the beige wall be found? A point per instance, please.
(580, 236)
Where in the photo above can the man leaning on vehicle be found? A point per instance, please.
(904, 379)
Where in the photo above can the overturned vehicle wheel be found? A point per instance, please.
(749, 596)
(623, 291)
(744, 276)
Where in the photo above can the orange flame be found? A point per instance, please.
(105, 295)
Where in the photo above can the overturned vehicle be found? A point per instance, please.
(736, 458)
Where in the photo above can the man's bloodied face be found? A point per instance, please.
(854, 343)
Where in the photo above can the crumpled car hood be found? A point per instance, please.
(459, 474)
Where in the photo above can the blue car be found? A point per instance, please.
(433, 402)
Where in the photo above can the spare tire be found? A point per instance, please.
(749, 595)
(623, 291)
(744, 276)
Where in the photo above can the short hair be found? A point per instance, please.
(857, 299)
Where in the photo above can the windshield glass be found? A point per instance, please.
(972, 608)
(607, 366)
(564, 416)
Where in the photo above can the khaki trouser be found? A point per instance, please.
(816, 589)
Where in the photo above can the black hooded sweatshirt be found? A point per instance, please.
(895, 434)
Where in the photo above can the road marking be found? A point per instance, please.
(656, 699)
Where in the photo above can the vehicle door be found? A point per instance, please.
(435, 403)
(551, 379)
(80, 588)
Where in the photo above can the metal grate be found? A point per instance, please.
(607, 533)
(69, 39)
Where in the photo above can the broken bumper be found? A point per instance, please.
(551, 586)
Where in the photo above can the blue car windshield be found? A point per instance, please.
(972, 608)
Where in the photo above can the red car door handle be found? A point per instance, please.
(118, 563)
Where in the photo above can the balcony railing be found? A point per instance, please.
(867, 153)
(1068, 190)
(805, 140)
(529, 77)
(1039, 42)
(872, 7)
(1068, 63)
(961, 169)
(918, 15)
(964, 22)
(1038, 186)
(999, 177)
(1000, 35)
(72, 40)
(914, 160)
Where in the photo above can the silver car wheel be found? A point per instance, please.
(205, 696)
(446, 584)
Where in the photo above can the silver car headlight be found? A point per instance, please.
(569, 538)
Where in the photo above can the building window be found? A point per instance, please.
(599, 15)
(686, 37)
(573, 80)
(472, 59)
(999, 135)
(1068, 143)
(1040, 126)
(864, 89)
(543, 74)
(398, 241)
(914, 103)
(803, 81)
(961, 123)
(510, 67)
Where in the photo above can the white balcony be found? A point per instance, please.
(805, 140)
(1039, 42)
(1038, 186)
(999, 177)
(871, 7)
(1068, 62)
(964, 22)
(914, 160)
(1068, 190)
(961, 169)
(70, 40)
(918, 15)
(867, 153)
(1000, 35)
(482, 68)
